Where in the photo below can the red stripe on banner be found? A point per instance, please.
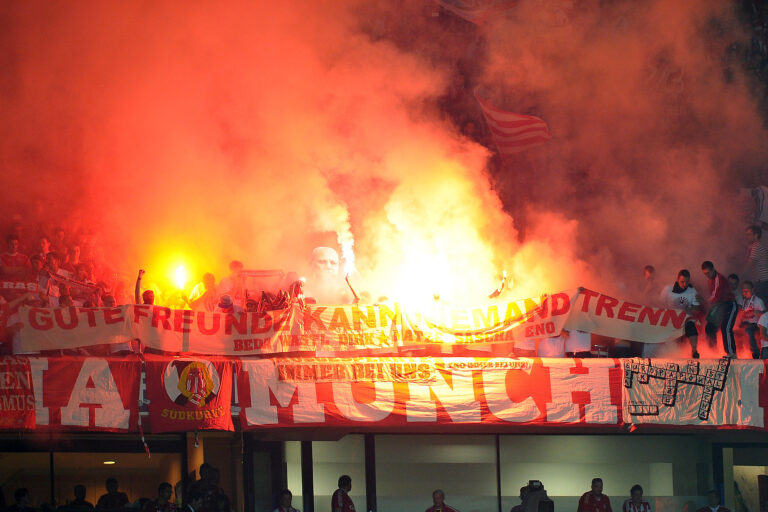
(512, 133)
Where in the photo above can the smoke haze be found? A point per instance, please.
(256, 131)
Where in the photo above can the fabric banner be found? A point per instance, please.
(184, 394)
(188, 394)
(73, 327)
(426, 392)
(86, 393)
(339, 329)
(696, 392)
(9, 289)
(17, 398)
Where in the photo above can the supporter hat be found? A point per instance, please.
(225, 301)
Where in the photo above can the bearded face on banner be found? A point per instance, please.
(191, 381)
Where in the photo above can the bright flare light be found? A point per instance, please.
(180, 277)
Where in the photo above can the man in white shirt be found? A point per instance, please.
(681, 295)
(751, 311)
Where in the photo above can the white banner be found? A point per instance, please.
(713, 392)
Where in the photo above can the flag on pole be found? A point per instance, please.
(511, 132)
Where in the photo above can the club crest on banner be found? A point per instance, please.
(191, 382)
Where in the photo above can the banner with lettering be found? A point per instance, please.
(424, 392)
(350, 328)
(17, 399)
(187, 394)
(86, 393)
(705, 392)
(10, 289)
(391, 393)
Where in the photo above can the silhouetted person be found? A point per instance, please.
(713, 503)
(148, 297)
(23, 500)
(194, 501)
(114, 500)
(79, 504)
(284, 502)
(207, 486)
(163, 502)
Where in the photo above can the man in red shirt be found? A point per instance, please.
(438, 503)
(340, 501)
(595, 500)
(163, 502)
(13, 263)
(722, 309)
(636, 503)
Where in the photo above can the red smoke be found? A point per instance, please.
(200, 134)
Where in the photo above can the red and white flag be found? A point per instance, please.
(511, 132)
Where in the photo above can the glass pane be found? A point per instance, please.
(330, 460)
(409, 468)
(668, 468)
(27, 470)
(137, 475)
(293, 467)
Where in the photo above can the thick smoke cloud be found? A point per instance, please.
(654, 129)
(243, 130)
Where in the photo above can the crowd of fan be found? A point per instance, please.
(202, 495)
(58, 272)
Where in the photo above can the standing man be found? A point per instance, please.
(595, 500)
(114, 500)
(722, 309)
(713, 503)
(340, 501)
(13, 264)
(681, 295)
(23, 501)
(438, 503)
(636, 503)
(757, 262)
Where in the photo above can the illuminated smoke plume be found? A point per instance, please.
(654, 129)
(198, 133)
